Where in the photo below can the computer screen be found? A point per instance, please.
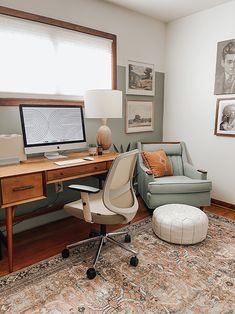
(52, 128)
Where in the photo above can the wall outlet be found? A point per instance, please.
(59, 187)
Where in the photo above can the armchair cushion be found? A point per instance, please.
(178, 184)
(158, 163)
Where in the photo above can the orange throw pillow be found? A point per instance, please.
(158, 163)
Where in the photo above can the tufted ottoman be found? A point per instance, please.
(179, 223)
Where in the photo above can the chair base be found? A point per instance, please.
(103, 238)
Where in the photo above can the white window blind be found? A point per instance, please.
(37, 58)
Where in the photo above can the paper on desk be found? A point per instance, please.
(11, 146)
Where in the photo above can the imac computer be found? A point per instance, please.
(49, 129)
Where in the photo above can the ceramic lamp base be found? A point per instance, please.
(104, 136)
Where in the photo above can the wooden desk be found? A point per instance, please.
(26, 182)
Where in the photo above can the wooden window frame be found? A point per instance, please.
(67, 25)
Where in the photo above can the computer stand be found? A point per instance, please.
(53, 155)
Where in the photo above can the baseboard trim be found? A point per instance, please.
(222, 204)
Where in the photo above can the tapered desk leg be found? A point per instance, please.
(9, 223)
(2, 241)
(0, 251)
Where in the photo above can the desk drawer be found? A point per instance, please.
(76, 171)
(24, 187)
(109, 164)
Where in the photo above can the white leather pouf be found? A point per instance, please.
(179, 223)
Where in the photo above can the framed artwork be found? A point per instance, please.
(140, 78)
(225, 68)
(225, 117)
(139, 116)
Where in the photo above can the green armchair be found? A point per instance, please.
(186, 186)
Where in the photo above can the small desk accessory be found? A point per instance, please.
(11, 149)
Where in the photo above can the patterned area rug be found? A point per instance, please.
(169, 278)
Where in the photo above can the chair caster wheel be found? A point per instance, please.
(127, 238)
(65, 253)
(91, 273)
(134, 261)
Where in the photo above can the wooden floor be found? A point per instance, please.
(42, 242)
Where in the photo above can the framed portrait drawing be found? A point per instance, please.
(225, 117)
(139, 116)
(140, 78)
(225, 68)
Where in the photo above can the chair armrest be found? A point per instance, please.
(193, 173)
(144, 177)
(146, 173)
(144, 169)
(84, 188)
(202, 171)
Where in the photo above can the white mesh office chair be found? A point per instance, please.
(115, 204)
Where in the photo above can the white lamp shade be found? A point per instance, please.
(102, 104)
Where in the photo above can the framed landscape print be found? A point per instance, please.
(139, 116)
(225, 117)
(140, 78)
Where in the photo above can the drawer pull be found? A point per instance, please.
(23, 188)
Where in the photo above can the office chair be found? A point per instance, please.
(115, 204)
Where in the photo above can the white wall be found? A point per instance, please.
(138, 37)
(189, 112)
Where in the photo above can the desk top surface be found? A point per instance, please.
(37, 164)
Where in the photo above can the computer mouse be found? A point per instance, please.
(88, 158)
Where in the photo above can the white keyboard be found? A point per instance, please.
(69, 162)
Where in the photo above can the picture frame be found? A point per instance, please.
(140, 78)
(225, 71)
(139, 116)
(225, 117)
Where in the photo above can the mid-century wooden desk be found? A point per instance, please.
(26, 182)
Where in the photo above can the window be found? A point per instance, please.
(37, 58)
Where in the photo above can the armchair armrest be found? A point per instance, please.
(193, 173)
(143, 168)
(145, 172)
(149, 172)
(144, 177)
(202, 171)
(84, 188)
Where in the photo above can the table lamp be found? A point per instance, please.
(103, 104)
